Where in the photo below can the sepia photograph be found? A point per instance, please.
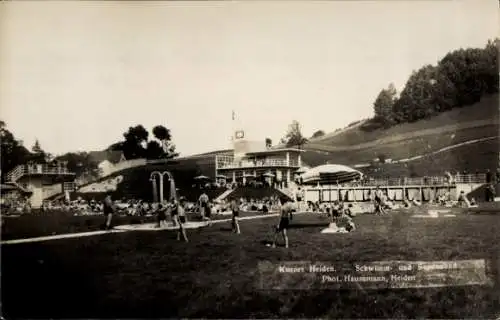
(250, 159)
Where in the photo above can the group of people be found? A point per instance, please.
(176, 210)
(173, 208)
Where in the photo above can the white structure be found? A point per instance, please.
(330, 174)
(105, 168)
(41, 181)
(251, 159)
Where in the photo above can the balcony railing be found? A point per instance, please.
(253, 164)
(424, 181)
(22, 170)
(69, 186)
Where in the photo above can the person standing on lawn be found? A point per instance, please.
(379, 202)
(235, 208)
(109, 210)
(285, 215)
(161, 215)
(203, 203)
(179, 217)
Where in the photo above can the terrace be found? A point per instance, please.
(272, 158)
(38, 169)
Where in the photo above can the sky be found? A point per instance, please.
(76, 75)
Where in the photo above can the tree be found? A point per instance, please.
(134, 145)
(163, 134)
(489, 70)
(12, 152)
(38, 155)
(269, 143)
(36, 147)
(81, 163)
(294, 136)
(154, 150)
(318, 134)
(417, 100)
(383, 106)
(461, 78)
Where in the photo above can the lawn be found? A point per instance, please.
(149, 274)
(56, 222)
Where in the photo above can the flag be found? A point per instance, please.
(234, 116)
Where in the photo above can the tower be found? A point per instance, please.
(241, 139)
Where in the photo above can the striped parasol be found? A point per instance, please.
(331, 173)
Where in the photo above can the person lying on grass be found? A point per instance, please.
(285, 217)
(342, 223)
(345, 221)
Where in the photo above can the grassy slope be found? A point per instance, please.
(148, 274)
(420, 138)
(472, 158)
(487, 108)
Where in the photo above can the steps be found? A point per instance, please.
(224, 195)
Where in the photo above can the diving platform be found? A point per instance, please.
(41, 181)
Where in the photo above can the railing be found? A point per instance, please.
(22, 170)
(15, 174)
(424, 181)
(470, 178)
(69, 186)
(254, 164)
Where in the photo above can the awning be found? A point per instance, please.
(331, 174)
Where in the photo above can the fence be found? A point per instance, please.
(22, 170)
(254, 164)
(424, 181)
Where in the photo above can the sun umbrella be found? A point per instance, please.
(268, 174)
(201, 178)
(331, 174)
(302, 170)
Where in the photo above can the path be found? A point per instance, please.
(101, 232)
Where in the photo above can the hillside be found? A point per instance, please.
(422, 138)
(485, 110)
